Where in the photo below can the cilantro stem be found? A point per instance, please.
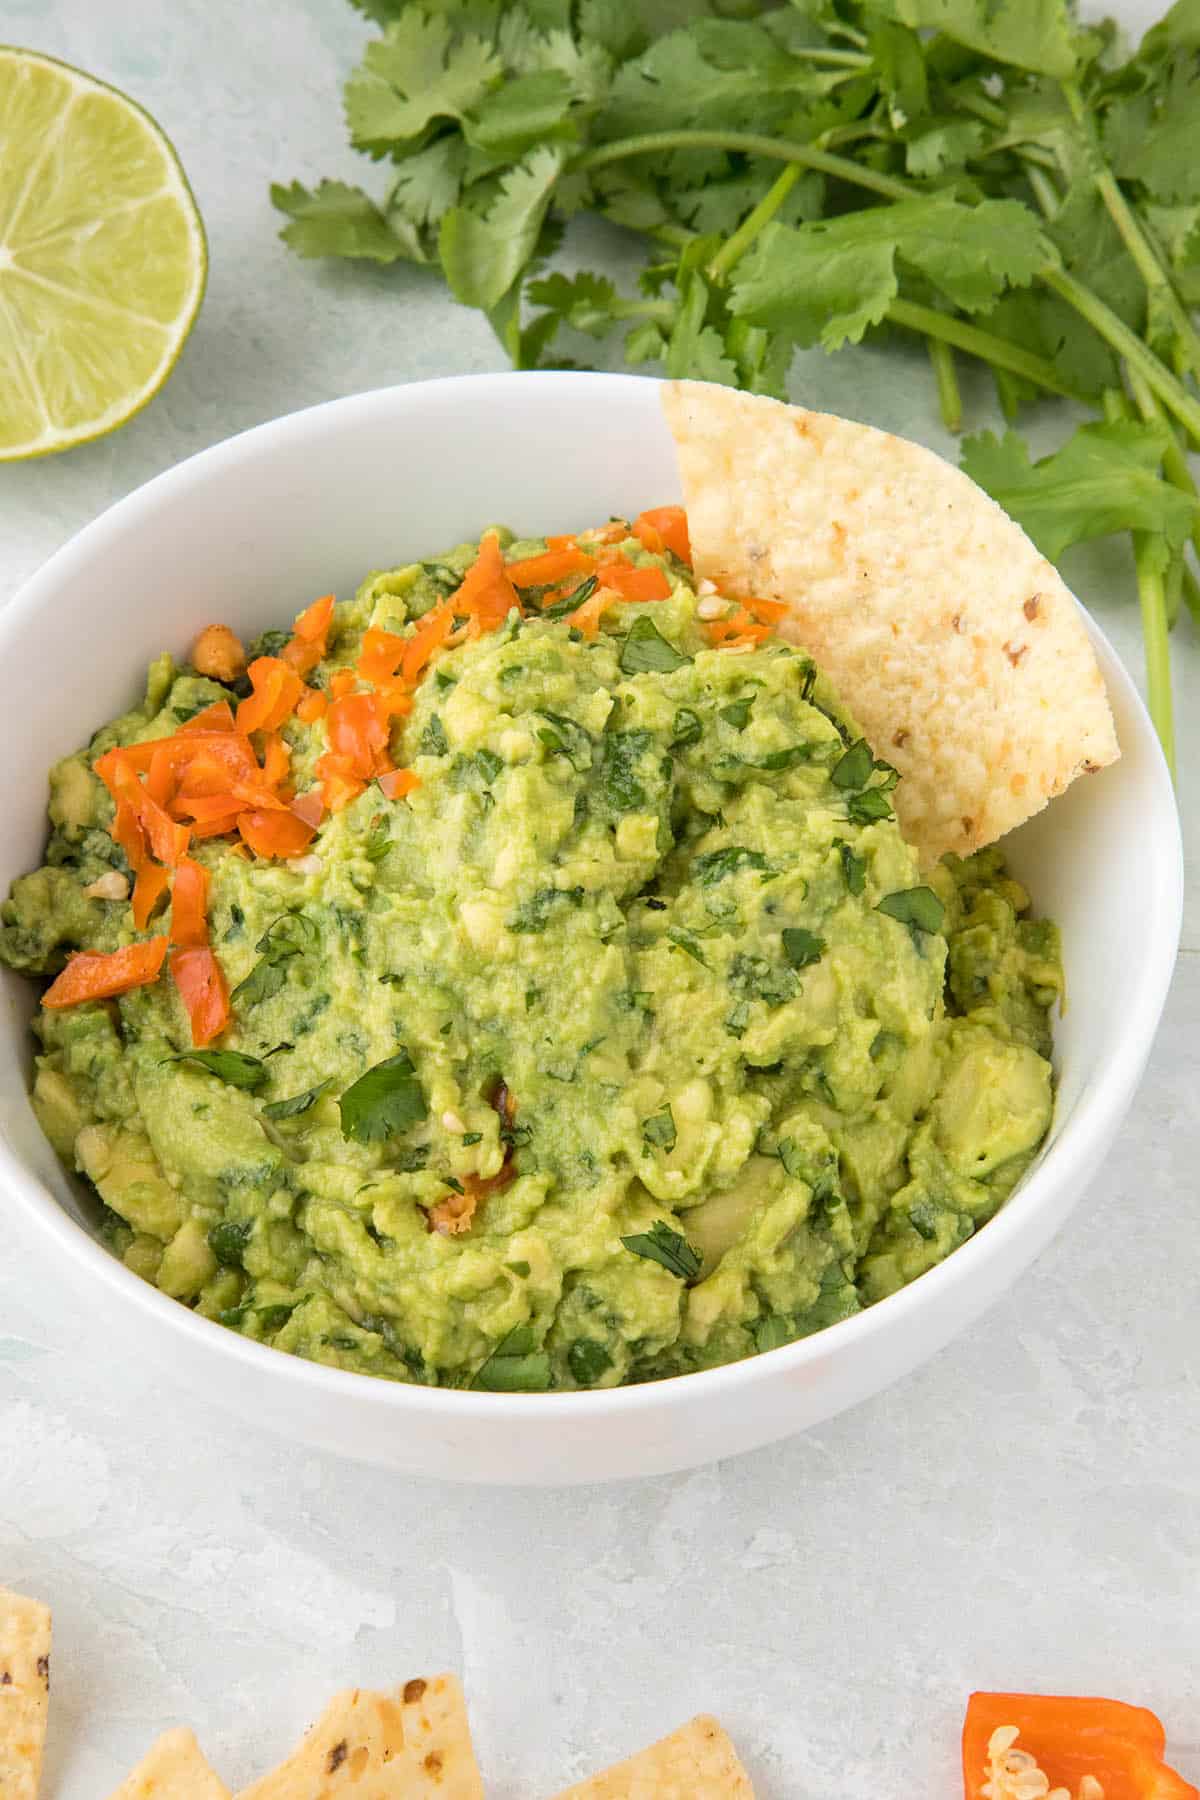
(1175, 462)
(1158, 282)
(1044, 190)
(1169, 389)
(1152, 594)
(750, 143)
(949, 394)
(1003, 355)
(736, 246)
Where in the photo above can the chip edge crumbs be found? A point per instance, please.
(25, 1632)
(945, 632)
(416, 1736)
(174, 1768)
(697, 1762)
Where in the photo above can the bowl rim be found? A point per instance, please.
(1067, 1161)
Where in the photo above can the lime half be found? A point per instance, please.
(102, 257)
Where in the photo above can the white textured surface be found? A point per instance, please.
(1025, 1510)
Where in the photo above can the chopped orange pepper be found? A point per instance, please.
(309, 806)
(1120, 1746)
(342, 683)
(277, 760)
(160, 778)
(274, 833)
(202, 987)
(359, 734)
(431, 633)
(277, 688)
(218, 717)
(306, 646)
(380, 655)
(632, 583)
(339, 784)
(398, 782)
(738, 629)
(93, 976)
(563, 541)
(312, 707)
(220, 825)
(550, 566)
(151, 884)
(586, 618)
(127, 832)
(664, 527)
(486, 596)
(767, 612)
(189, 905)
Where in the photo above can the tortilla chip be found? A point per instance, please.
(172, 1769)
(697, 1762)
(406, 1745)
(954, 643)
(24, 1693)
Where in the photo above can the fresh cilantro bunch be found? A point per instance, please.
(989, 174)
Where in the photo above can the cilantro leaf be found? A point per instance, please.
(646, 651)
(231, 1066)
(802, 947)
(516, 1365)
(522, 113)
(228, 1241)
(1154, 141)
(1104, 479)
(299, 1103)
(829, 281)
(918, 907)
(588, 1360)
(483, 253)
(695, 350)
(383, 1102)
(1032, 34)
(587, 303)
(669, 1248)
(417, 73)
(660, 1130)
(336, 220)
(715, 865)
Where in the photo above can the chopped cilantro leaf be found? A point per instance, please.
(662, 1245)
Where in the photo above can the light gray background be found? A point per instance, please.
(1024, 1511)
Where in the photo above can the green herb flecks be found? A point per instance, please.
(659, 1130)
(801, 946)
(918, 907)
(231, 1066)
(299, 1103)
(384, 1102)
(646, 651)
(516, 1365)
(662, 1245)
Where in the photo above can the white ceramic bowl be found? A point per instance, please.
(252, 530)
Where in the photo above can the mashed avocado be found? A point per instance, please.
(640, 994)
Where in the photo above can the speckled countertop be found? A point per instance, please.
(1023, 1510)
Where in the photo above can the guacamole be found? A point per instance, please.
(629, 1041)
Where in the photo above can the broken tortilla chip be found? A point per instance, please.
(697, 1762)
(949, 637)
(24, 1693)
(172, 1769)
(413, 1744)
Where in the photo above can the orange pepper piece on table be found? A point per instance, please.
(664, 527)
(632, 583)
(189, 905)
(151, 884)
(94, 976)
(202, 987)
(1118, 1745)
